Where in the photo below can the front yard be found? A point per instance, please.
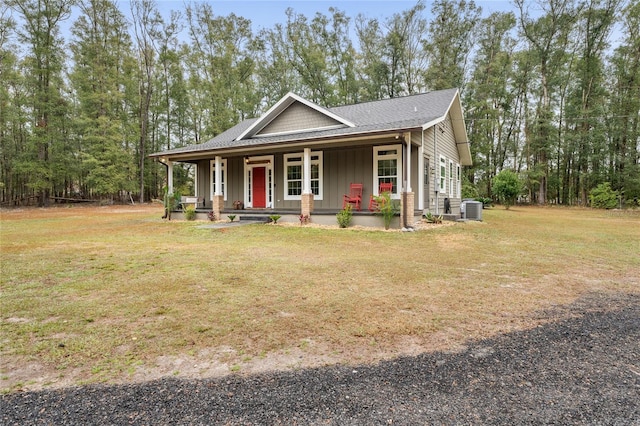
(115, 294)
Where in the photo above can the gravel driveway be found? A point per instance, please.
(583, 367)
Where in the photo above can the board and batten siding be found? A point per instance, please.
(445, 146)
(203, 186)
(297, 117)
(340, 168)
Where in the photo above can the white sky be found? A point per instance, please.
(267, 13)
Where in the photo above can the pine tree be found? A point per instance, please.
(102, 78)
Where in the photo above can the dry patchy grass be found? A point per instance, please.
(115, 293)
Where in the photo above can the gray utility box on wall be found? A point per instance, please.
(471, 210)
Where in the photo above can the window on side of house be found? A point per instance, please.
(442, 176)
(387, 167)
(223, 168)
(293, 175)
(458, 181)
(451, 178)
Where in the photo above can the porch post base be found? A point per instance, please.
(217, 206)
(306, 204)
(407, 207)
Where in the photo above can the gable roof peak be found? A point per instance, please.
(279, 107)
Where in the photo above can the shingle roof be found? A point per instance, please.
(405, 113)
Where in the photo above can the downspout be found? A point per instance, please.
(169, 165)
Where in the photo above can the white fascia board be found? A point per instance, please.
(433, 123)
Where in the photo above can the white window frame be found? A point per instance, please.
(458, 181)
(318, 161)
(250, 163)
(442, 175)
(377, 157)
(212, 172)
(451, 178)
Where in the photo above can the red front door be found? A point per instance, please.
(259, 187)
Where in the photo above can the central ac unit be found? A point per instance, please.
(472, 210)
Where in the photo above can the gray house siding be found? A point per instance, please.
(343, 167)
(235, 184)
(340, 168)
(297, 117)
(445, 145)
(202, 179)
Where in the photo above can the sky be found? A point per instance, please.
(267, 13)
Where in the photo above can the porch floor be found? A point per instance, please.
(263, 214)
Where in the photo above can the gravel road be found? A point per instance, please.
(582, 367)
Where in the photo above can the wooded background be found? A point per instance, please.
(551, 89)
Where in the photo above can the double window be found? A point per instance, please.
(293, 176)
(387, 167)
(449, 178)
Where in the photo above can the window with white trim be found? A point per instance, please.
(442, 176)
(294, 174)
(451, 177)
(387, 167)
(223, 169)
(458, 181)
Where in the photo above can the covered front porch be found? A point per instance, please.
(308, 183)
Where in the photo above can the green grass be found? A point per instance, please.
(98, 292)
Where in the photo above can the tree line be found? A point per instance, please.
(551, 89)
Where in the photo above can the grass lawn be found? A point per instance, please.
(113, 294)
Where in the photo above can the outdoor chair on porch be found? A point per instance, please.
(384, 187)
(354, 197)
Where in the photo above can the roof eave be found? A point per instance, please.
(192, 155)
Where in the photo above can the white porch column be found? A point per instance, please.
(421, 175)
(306, 200)
(306, 171)
(218, 171)
(407, 197)
(170, 176)
(407, 141)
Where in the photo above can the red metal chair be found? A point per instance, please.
(384, 187)
(355, 196)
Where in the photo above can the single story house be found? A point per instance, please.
(300, 159)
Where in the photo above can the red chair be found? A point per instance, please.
(384, 187)
(354, 197)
